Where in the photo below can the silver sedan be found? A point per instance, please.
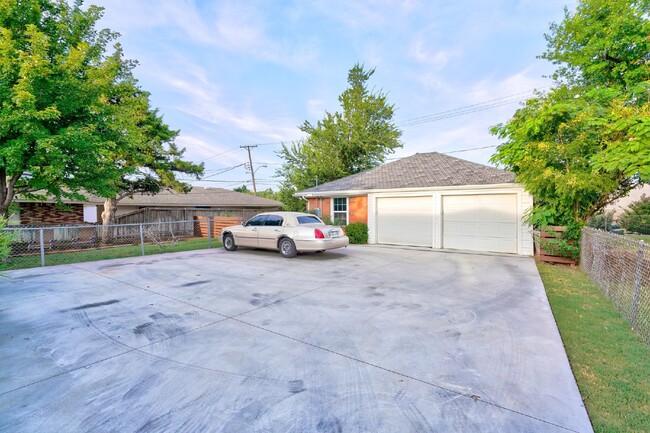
(287, 232)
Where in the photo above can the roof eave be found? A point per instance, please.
(356, 192)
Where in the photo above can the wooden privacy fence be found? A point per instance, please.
(151, 215)
(213, 225)
(545, 235)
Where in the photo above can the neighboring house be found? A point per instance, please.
(199, 199)
(431, 200)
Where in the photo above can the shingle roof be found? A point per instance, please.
(198, 196)
(421, 170)
(201, 197)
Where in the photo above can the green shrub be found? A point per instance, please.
(567, 244)
(6, 238)
(636, 217)
(357, 232)
(602, 220)
(326, 219)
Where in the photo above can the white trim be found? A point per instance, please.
(347, 209)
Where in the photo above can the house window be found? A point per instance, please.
(340, 211)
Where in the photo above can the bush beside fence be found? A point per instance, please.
(621, 268)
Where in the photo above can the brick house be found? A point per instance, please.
(431, 200)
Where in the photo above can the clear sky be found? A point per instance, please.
(233, 73)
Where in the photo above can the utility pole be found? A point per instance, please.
(250, 161)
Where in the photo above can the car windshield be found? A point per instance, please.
(308, 219)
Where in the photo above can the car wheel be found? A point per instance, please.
(229, 243)
(287, 248)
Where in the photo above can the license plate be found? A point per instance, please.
(334, 234)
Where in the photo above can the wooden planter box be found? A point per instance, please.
(546, 234)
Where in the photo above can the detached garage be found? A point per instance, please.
(431, 200)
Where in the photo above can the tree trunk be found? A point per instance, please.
(4, 210)
(108, 218)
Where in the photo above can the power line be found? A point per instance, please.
(441, 115)
(467, 109)
(224, 170)
(467, 150)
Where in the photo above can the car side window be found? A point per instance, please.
(256, 221)
(273, 220)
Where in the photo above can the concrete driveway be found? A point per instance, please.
(364, 339)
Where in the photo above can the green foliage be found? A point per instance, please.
(636, 217)
(567, 244)
(6, 239)
(64, 100)
(357, 232)
(586, 142)
(343, 143)
(72, 116)
(603, 220)
(151, 160)
(267, 193)
(327, 220)
(289, 202)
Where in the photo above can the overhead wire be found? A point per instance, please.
(441, 115)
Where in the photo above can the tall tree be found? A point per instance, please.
(150, 163)
(586, 142)
(56, 109)
(343, 143)
(73, 118)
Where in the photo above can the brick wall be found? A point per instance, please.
(321, 203)
(48, 214)
(358, 209)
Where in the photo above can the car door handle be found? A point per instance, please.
(254, 230)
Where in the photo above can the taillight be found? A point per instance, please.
(319, 234)
(342, 231)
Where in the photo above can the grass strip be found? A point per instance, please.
(89, 255)
(611, 364)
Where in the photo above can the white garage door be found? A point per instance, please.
(405, 221)
(480, 222)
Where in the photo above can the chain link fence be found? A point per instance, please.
(621, 267)
(46, 246)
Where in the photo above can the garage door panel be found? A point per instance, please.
(485, 222)
(405, 221)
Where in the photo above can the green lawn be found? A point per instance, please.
(645, 238)
(611, 363)
(89, 255)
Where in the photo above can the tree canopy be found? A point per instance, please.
(73, 118)
(585, 142)
(342, 143)
(149, 164)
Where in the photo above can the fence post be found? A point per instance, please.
(209, 231)
(142, 239)
(42, 246)
(637, 284)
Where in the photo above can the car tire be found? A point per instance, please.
(229, 242)
(287, 248)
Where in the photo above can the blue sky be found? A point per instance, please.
(233, 73)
